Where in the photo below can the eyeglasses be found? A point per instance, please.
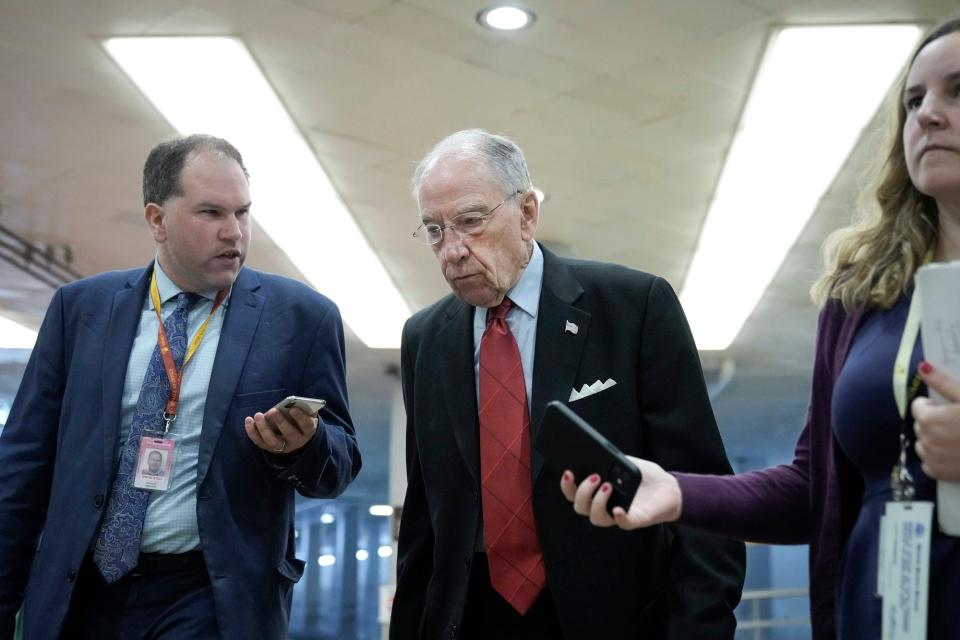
(467, 224)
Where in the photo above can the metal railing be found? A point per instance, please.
(757, 627)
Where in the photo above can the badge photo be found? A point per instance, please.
(154, 464)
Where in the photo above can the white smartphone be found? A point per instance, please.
(309, 406)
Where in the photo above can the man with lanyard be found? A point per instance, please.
(187, 357)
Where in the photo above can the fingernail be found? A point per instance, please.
(925, 367)
(594, 478)
(605, 487)
(567, 476)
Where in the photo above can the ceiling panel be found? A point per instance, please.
(626, 109)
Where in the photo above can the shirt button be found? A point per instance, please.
(476, 496)
(453, 631)
(466, 562)
(98, 501)
(71, 575)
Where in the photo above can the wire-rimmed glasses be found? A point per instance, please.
(467, 224)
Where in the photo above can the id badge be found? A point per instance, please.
(154, 463)
(903, 569)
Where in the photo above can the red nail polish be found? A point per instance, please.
(594, 478)
(567, 476)
(605, 488)
(925, 367)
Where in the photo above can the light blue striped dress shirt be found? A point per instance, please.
(171, 522)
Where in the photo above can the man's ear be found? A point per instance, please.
(156, 220)
(529, 214)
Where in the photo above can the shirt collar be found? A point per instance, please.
(169, 290)
(526, 293)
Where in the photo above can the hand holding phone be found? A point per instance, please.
(287, 435)
(310, 406)
(567, 441)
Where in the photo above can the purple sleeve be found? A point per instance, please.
(778, 505)
(771, 505)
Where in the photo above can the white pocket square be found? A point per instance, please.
(590, 389)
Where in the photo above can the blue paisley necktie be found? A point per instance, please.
(118, 541)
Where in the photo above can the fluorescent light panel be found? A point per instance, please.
(213, 85)
(816, 90)
(14, 335)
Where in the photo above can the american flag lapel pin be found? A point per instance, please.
(571, 328)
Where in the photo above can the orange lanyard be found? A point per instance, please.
(173, 375)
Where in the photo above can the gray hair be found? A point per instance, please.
(502, 156)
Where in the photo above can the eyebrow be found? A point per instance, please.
(912, 90)
(475, 207)
(220, 207)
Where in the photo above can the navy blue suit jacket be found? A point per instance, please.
(58, 458)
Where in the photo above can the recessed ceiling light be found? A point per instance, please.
(381, 510)
(327, 560)
(506, 18)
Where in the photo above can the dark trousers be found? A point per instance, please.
(488, 616)
(165, 597)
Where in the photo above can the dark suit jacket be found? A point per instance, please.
(814, 500)
(58, 458)
(662, 582)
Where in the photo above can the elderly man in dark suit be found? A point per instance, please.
(489, 547)
(189, 356)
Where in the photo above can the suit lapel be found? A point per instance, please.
(236, 336)
(459, 385)
(558, 351)
(118, 341)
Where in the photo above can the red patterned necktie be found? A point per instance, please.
(513, 551)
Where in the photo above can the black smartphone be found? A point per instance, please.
(567, 441)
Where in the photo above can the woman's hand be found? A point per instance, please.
(938, 425)
(658, 499)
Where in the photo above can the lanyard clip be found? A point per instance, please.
(901, 480)
(168, 419)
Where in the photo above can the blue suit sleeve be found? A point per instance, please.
(331, 460)
(28, 447)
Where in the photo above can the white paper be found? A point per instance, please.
(907, 546)
(938, 285)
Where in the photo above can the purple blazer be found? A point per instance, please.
(813, 500)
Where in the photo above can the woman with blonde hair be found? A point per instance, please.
(834, 492)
